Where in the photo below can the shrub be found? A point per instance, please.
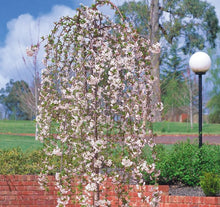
(15, 161)
(184, 163)
(210, 183)
(181, 165)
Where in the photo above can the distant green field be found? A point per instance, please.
(164, 127)
(26, 143)
(29, 143)
(9, 126)
(184, 128)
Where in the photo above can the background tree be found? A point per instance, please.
(35, 69)
(12, 97)
(174, 92)
(194, 23)
(214, 93)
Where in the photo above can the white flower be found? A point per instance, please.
(108, 163)
(155, 48)
(98, 164)
(139, 195)
(126, 162)
(91, 187)
(93, 80)
(57, 151)
(29, 52)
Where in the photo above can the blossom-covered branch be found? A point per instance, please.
(95, 107)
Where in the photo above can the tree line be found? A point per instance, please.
(182, 27)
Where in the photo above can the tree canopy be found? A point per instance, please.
(193, 22)
(181, 26)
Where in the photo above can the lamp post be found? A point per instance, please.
(200, 63)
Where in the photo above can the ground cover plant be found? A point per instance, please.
(16, 161)
(210, 183)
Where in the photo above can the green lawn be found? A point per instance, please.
(184, 128)
(12, 141)
(29, 143)
(26, 143)
(11, 126)
(164, 127)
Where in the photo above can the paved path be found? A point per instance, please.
(171, 139)
(168, 139)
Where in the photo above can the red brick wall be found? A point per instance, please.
(24, 191)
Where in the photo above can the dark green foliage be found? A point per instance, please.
(184, 163)
(210, 183)
(174, 90)
(139, 21)
(180, 165)
(184, 26)
(214, 117)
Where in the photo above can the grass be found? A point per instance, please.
(29, 143)
(11, 126)
(26, 143)
(184, 128)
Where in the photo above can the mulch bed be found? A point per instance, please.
(185, 191)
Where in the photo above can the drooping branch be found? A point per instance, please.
(103, 2)
(103, 88)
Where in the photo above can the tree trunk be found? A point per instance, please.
(154, 37)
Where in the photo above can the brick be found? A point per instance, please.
(211, 200)
(173, 199)
(164, 188)
(24, 191)
(218, 201)
(188, 200)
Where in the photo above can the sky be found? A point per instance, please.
(23, 22)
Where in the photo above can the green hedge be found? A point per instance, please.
(15, 161)
(210, 183)
(182, 163)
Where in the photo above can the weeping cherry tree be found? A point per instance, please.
(94, 108)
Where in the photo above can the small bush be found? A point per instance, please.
(184, 163)
(180, 165)
(210, 183)
(15, 161)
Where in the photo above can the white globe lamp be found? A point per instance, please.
(200, 63)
